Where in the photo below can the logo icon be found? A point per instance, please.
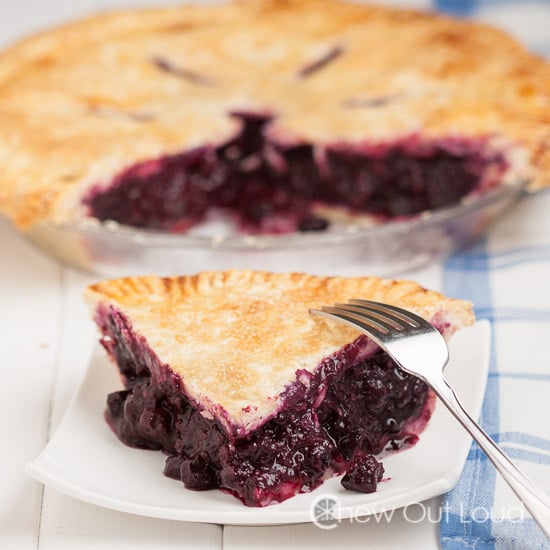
(324, 512)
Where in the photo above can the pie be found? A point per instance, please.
(278, 116)
(244, 390)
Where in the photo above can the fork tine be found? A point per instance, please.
(356, 320)
(394, 312)
(387, 321)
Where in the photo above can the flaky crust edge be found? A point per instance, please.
(403, 293)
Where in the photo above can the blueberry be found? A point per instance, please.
(363, 473)
(198, 474)
(313, 223)
(115, 402)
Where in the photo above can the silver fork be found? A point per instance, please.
(419, 349)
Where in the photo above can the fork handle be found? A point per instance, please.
(534, 499)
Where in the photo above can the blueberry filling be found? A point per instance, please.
(269, 187)
(329, 420)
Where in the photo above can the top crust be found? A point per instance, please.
(237, 338)
(81, 103)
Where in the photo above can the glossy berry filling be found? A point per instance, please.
(349, 405)
(268, 187)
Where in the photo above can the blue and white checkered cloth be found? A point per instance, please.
(508, 278)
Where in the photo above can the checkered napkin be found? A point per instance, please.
(508, 278)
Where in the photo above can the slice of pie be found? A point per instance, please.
(231, 376)
(278, 116)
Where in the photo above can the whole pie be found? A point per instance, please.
(244, 390)
(275, 115)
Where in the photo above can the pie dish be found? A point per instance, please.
(281, 116)
(229, 375)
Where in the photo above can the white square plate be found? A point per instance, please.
(85, 460)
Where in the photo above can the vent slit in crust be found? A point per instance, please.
(322, 62)
(192, 76)
(372, 102)
(132, 116)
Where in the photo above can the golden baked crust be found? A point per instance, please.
(238, 338)
(83, 102)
